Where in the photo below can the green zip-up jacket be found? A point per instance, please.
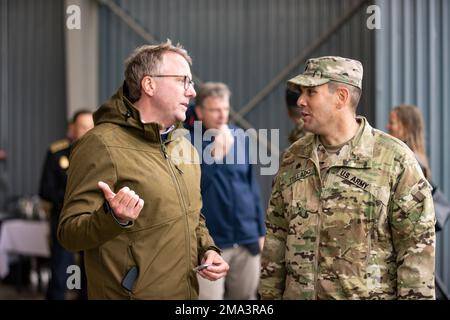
(362, 230)
(169, 237)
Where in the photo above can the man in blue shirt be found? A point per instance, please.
(231, 196)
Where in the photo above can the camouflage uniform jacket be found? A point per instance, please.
(365, 231)
(297, 133)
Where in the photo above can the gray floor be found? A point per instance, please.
(31, 291)
(10, 292)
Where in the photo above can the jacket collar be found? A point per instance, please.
(361, 147)
(121, 111)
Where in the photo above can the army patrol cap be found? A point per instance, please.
(321, 70)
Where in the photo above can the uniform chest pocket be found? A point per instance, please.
(358, 202)
(302, 236)
(302, 202)
(303, 218)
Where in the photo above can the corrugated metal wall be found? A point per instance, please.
(33, 111)
(242, 43)
(413, 66)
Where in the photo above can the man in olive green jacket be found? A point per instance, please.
(136, 249)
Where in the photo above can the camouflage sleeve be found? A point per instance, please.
(273, 270)
(412, 222)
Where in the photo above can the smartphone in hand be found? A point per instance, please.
(201, 267)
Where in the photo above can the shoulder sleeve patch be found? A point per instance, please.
(59, 145)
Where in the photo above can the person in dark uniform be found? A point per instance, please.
(295, 115)
(52, 189)
(3, 179)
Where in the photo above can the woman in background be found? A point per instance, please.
(406, 123)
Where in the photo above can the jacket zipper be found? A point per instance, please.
(183, 203)
(316, 271)
(181, 172)
(369, 249)
(319, 223)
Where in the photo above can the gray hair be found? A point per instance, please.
(355, 92)
(211, 89)
(146, 60)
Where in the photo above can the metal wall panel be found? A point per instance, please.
(33, 112)
(413, 66)
(242, 43)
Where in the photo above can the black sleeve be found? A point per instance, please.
(51, 187)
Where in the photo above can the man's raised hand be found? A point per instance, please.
(126, 204)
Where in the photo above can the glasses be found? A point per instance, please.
(187, 81)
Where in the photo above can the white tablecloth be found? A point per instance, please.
(29, 238)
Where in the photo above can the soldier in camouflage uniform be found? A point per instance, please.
(351, 215)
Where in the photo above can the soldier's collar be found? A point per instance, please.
(303, 147)
(364, 151)
(363, 143)
(361, 151)
(361, 148)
